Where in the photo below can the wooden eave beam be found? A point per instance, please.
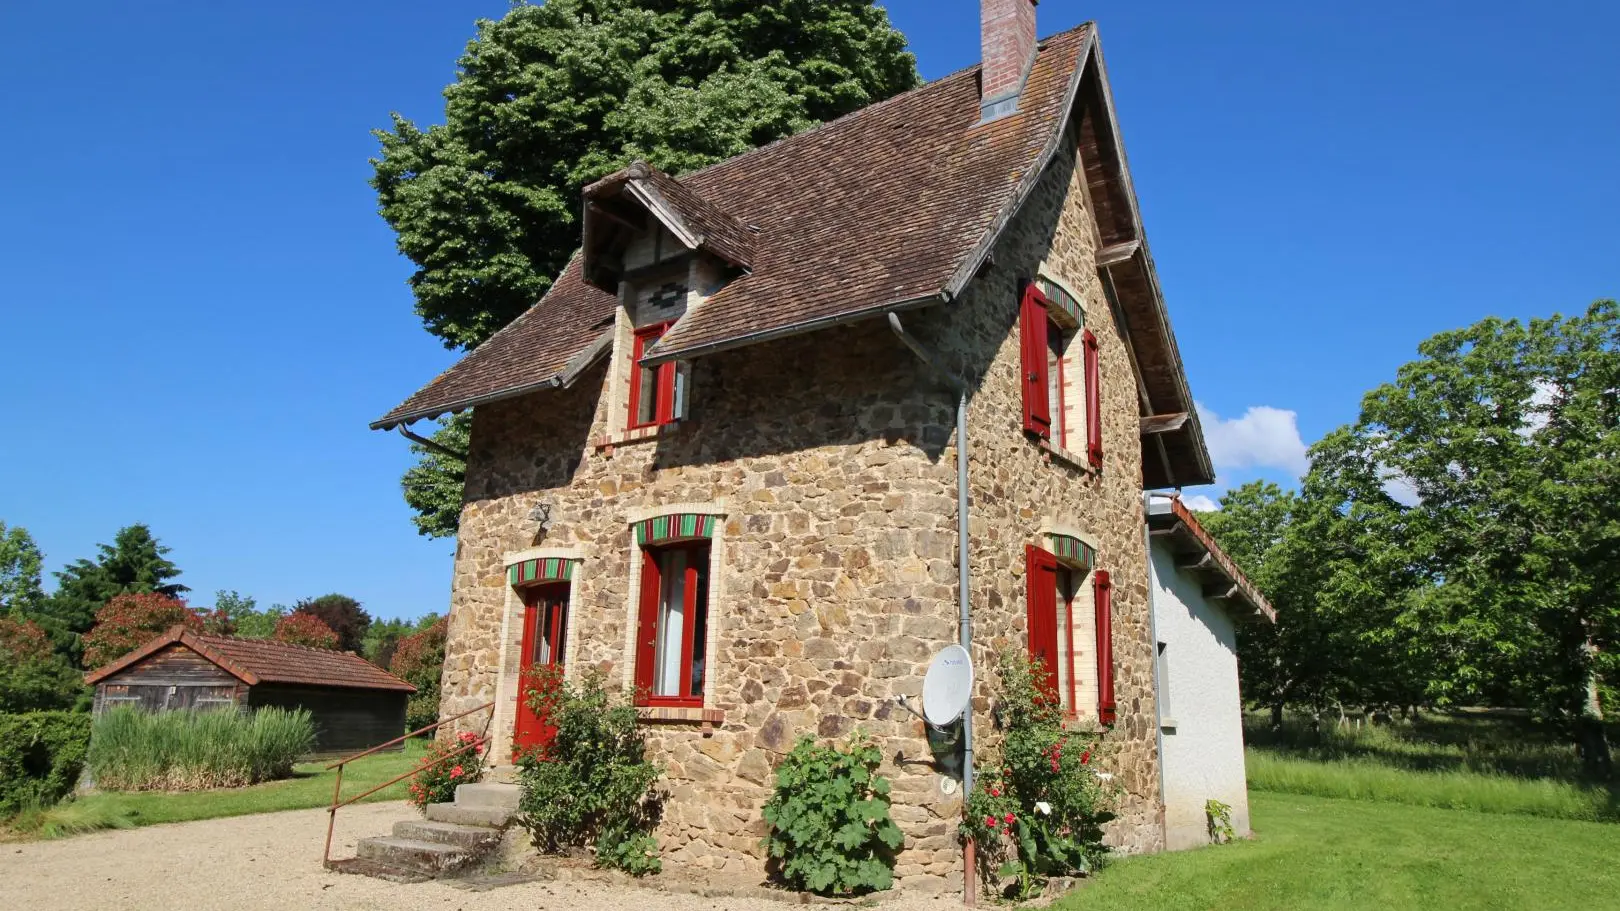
(618, 216)
(1173, 529)
(1206, 560)
(1118, 253)
(1222, 591)
(1164, 423)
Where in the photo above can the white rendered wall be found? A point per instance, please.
(1203, 753)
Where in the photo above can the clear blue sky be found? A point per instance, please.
(200, 310)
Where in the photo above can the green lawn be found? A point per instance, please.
(310, 786)
(1319, 853)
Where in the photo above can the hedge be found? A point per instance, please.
(41, 756)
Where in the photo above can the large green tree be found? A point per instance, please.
(135, 563)
(551, 97)
(1508, 434)
(342, 615)
(20, 569)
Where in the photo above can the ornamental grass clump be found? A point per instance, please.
(830, 828)
(133, 750)
(1038, 808)
(447, 766)
(591, 783)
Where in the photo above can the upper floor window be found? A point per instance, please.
(672, 630)
(1061, 387)
(657, 394)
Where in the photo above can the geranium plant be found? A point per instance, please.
(443, 769)
(1038, 809)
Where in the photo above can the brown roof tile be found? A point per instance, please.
(880, 207)
(255, 661)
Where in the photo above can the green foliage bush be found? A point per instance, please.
(447, 766)
(41, 756)
(830, 828)
(592, 783)
(1038, 808)
(132, 750)
(418, 659)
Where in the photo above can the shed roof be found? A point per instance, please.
(894, 206)
(1169, 519)
(256, 661)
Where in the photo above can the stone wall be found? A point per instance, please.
(830, 457)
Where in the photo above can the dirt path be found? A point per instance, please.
(272, 861)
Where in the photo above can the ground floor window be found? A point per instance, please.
(672, 628)
(1069, 623)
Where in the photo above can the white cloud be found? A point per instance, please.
(1200, 503)
(1264, 437)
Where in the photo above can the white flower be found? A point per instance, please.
(1105, 776)
(1044, 807)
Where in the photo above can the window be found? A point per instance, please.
(657, 394)
(673, 625)
(1070, 631)
(1061, 384)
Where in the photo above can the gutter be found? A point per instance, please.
(423, 441)
(964, 609)
(814, 325)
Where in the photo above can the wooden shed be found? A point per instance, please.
(356, 705)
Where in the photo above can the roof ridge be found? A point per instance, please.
(826, 124)
(280, 644)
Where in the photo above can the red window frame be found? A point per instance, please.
(1033, 319)
(1094, 448)
(664, 382)
(1107, 709)
(652, 588)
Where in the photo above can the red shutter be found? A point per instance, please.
(1041, 569)
(1032, 339)
(1105, 647)
(647, 627)
(1094, 450)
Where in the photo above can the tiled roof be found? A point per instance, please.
(889, 205)
(255, 661)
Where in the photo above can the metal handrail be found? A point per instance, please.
(337, 786)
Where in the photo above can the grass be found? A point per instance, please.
(1485, 762)
(1320, 853)
(309, 786)
(135, 750)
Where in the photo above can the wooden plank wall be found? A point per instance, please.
(346, 720)
(174, 678)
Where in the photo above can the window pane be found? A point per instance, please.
(1065, 638)
(671, 624)
(679, 398)
(700, 620)
(647, 403)
(1054, 382)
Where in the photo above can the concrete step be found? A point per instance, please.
(362, 866)
(492, 817)
(428, 857)
(469, 838)
(488, 795)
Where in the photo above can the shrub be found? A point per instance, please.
(829, 816)
(33, 678)
(418, 660)
(132, 750)
(342, 615)
(1039, 811)
(443, 769)
(128, 622)
(41, 756)
(306, 630)
(22, 641)
(592, 783)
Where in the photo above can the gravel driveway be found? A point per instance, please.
(272, 861)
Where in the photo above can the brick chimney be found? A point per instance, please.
(1007, 30)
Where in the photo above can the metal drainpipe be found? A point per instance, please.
(1153, 630)
(964, 612)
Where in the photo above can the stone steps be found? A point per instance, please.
(454, 838)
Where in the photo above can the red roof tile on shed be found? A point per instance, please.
(255, 661)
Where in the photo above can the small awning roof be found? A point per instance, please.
(1169, 520)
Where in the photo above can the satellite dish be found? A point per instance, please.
(948, 686)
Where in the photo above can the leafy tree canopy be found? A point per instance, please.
(552, 97)
(342, 615)
(306, 629)
(129, 621)
(20, 569)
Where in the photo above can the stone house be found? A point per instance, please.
(719, 460)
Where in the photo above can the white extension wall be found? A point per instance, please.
(1203, 751)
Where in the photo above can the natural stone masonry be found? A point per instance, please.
(829, 461)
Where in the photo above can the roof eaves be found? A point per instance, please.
(655, 357)
(1169, 511)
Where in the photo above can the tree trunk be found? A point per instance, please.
(1590, 738)
(1276, 715)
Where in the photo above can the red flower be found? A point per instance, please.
(1010, 819)
(456, 772)
(995, 792)
(990, 821)
(1085, 757)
